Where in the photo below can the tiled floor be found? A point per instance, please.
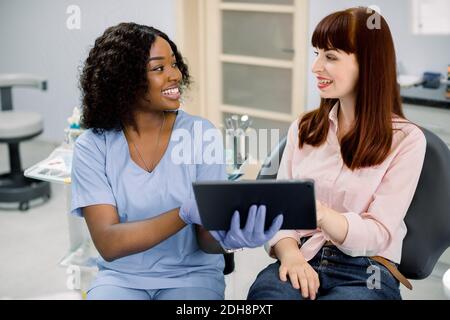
(32, 244)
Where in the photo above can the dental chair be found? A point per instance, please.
(16, 127)
(269, 169)
(428, 217)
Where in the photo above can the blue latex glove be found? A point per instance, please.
(253, 234)
(189, 212)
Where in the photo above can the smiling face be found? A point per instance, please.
(163, 77)
(336, 72)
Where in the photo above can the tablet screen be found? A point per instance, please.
(217, 201)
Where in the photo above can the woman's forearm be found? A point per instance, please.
(114, 240)
(285, 248)
(334, 224)
(206, 242)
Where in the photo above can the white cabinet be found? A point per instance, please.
(437, 120)
(445, 258)
(256, 61)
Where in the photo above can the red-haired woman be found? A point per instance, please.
(365, 158)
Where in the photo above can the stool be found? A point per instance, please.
(14, 128)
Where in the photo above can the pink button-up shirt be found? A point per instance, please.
(374, 200)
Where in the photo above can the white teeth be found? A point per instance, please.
(171, 91)
(325, 81)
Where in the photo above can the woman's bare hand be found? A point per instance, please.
(301, 275)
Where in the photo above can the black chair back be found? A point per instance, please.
(267, 170)
(428, 216)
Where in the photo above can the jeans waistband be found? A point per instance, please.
(392, 267)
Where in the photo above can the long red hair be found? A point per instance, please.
(377, 94)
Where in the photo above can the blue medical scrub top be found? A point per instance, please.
(104, 173)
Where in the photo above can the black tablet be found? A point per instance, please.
(217, 201)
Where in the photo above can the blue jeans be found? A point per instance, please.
(109, 292)
(341, 277)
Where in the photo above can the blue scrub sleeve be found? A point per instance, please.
(213, 166)
(90, 184)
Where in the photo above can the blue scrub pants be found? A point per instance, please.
(109, 292)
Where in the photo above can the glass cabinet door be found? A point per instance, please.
(257, 34)
(257, 60)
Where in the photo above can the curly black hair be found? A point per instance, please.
(114, 77)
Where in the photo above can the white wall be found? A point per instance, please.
(34, 39)
(415, 54)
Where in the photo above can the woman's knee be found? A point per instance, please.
(268, 286)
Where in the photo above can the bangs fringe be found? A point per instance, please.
(336, 32)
